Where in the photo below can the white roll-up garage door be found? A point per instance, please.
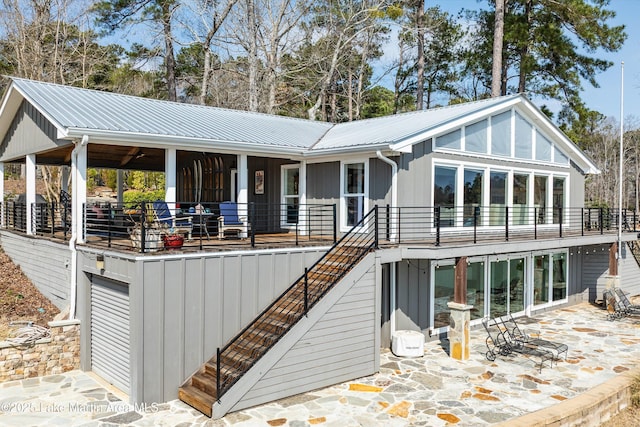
(110, 331)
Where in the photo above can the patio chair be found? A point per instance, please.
(625, 303)
(229, 220)
(520, 338)
(497, 342)
(179, 225)
(614, 309)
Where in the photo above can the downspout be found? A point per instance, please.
(392, 237)
(74, 221)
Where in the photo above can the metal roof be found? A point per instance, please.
(74, 108)
(113, 117)
(397, 128)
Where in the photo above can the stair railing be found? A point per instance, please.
(296, 301)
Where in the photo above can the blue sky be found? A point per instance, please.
(606, 98)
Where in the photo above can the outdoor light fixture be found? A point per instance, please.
(100, 262)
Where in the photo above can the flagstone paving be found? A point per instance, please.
(433, 390)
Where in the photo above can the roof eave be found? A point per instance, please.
(185, 142)
(319, 152)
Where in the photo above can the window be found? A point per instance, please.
(501, 134)
(507, 286)
(559, 157)
(559, 277)
(523, 138)
(520, 199)
(541, 279)
(450, 140)
(472, 196)
(476, 137)
(290, 195)
(558, 198)
(475, 289)
(543, 148)
(353, 195)
(540, 198)
(444, 194)
(497, 197)
(443, 294)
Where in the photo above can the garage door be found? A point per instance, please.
(110, 331)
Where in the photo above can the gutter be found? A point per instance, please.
(74, 233)
(394, 191)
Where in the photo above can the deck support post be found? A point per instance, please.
(460, 314)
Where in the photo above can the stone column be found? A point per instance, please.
(459, 330)
(460, 314)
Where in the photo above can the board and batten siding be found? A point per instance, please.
(47, 264)
(629, 272)
(412, 295)
(191, 306)
(30, 132)
(414, 176)
(594, 261)
(340, 346)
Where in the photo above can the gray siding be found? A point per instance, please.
(30, 132)
(412, 295)
(323, 183)
(200, 304)
(340, 346)
(45, 263)
(414, 176)
(593, 262)
(629, 272)
(380, 182)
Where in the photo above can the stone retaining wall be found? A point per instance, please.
(590, 409)
(60, 353)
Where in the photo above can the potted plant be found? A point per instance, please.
(172, 240)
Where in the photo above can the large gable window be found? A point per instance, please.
(523, 141)
(543, 148)
(476, 137)
(444, 194)
(501, 134)
(450, 140)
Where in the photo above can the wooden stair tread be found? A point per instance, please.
(205, 382)
(197, 398)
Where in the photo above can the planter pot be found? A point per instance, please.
(173, 241)
(152, 239)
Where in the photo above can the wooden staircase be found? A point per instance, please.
(217, 375)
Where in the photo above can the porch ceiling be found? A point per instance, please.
(107, 156)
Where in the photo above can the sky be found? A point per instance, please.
(606, 98)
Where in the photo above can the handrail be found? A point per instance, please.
(301, 296)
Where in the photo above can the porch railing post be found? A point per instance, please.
(218, 386)
(601, 219)
(506, 223)
(143, 231)
(535, 223)
(109, 223)
(582, 220)
(436, 218)
(252, 225)
(388, 223)
(560, 220)
(306, 291)
(476, 216)
(335, 224)
(375, 226)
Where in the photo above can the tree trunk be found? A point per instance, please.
(420, 61)
(524, 51)
(169, 58)
(253, 56)
(498, 37)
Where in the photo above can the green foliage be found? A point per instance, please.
(134, 197)
(378, 102)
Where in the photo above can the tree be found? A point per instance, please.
(498, 37)
(115, 14)
(433, 70)
(543, 45)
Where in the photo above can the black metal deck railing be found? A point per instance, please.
(473, 224)
(131, 226)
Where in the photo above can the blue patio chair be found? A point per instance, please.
(180, 225)
(229, 220)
